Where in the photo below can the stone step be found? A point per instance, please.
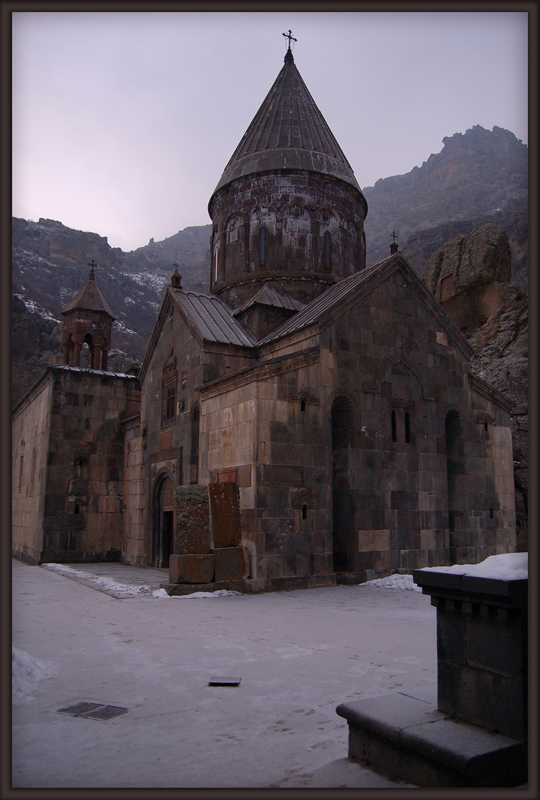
(409, 739)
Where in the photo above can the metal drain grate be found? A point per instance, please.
(93, 711)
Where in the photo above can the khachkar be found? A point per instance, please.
(208, 553)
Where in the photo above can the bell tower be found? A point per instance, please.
(87, 320)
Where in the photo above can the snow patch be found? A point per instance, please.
(34, 308)
(26, 673)
(156, 282)
(107, 585)
(504, 567)
(218, 593)
(123, 328)
(401, 582)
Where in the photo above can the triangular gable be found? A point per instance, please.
(206, 316)
(156, 333)
(336, 300)
(268, 295)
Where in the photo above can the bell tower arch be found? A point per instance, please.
(87, 320)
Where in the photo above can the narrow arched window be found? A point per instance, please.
(327, 250)
(303, 404)
(407, 427)
(262, 247)
(195, 422)
(394, 426)
(304, 512)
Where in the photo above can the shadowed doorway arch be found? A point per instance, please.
(163, 523)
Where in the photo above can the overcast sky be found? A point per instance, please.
(124, 121)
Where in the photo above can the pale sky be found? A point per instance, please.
(124, 121)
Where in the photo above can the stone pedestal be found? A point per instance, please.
(231, 563)
(191, 568)
(476, 732)
(481, 649)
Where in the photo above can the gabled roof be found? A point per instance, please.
(208, 318)
(288, 132)
(212, 318)
(90, 299)
(342, 293)
(268, 295)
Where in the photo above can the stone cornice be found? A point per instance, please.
(261, 371)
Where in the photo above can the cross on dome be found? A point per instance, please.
(290, 37)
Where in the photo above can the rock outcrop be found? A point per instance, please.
(465, 276)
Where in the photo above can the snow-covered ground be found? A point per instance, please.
(299, 654)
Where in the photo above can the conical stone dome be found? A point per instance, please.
(288, 209)
(288, 132)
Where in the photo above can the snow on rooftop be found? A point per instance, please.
(504, 567)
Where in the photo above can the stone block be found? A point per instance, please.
(225, 514)
(483, 698)
(231, 563)
(191, 568)
(450, 636)
(192, 511)
(370, 540)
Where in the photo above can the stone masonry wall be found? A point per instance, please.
(297, 210)
(413, 493)
(30, 436)
(84, 504)
(135, 498)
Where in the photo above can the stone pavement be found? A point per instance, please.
(299, 654)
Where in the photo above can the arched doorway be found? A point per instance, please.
(164, 524)
(342, 494)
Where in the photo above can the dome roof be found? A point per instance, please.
(288, 132)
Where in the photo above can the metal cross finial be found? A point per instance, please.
(91, 264)
(393, 235)
(290, 37)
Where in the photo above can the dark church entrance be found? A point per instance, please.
(163, 524)
(342, 495)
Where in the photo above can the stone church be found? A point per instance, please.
(308, 419)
